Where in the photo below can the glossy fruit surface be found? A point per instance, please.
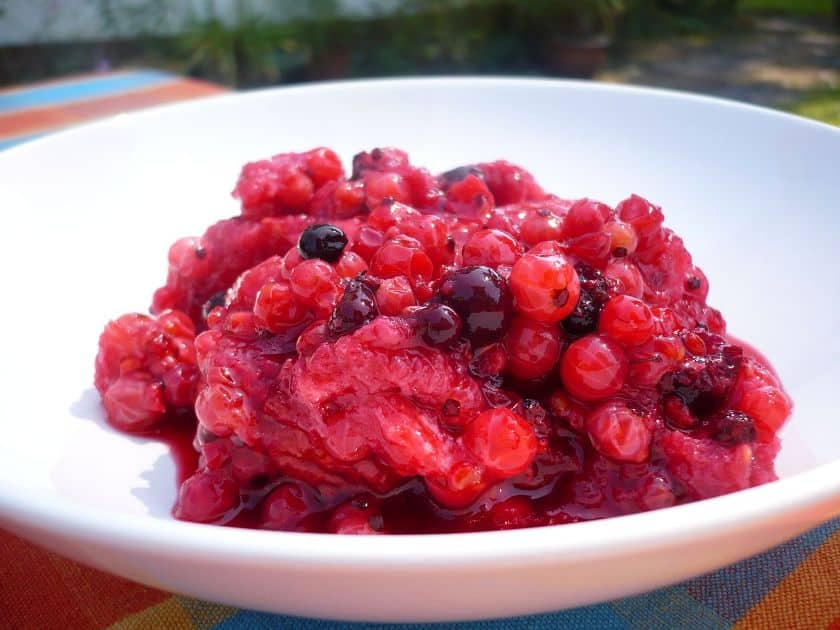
(398, 352)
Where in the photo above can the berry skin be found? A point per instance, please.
(403, 256)
(584, 217)
(643, 216)
(533, 348)
(626, 277)
(403, 353)
(545, 287)
(350, 265)
(314, 284)
(480, 297)
(502, 441)
(438, 325)
(273, 187)
(623, 239)
(354, 309)
(276, 309)
(619, 433)
(323, 241)
(628, 320)
(491, 248)
(145, 366)
(394, 295)
(386, 187)
(594, 293)
(593, 368)
(286, 507)
(206, 497)
(134, 403)
(540, 226)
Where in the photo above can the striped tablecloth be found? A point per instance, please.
(30, 111)
(795, 585)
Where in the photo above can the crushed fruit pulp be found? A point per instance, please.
(399, 352)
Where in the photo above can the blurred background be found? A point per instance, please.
(778, 53)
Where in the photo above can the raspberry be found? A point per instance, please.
(593, 368)
(146, 366)
(544, 287)
(273, 187)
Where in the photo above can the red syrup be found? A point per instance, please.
(447, 353)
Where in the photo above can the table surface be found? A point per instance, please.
(795, 585)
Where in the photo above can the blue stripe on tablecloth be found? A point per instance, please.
(90, 87)
(735, 589)
(601, 617)
(668, 608)
(6, 143)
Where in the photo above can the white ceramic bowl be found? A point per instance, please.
(89, 216)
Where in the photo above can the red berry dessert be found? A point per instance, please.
(398, 352)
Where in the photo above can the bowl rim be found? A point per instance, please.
(815, 488)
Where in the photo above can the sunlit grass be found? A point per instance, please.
(797, 7)
(821, 105)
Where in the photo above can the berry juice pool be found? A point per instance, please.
(400, 352)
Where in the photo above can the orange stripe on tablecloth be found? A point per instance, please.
(809, 597)
(35, 120)
(40, 590)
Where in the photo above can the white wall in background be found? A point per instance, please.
(48, 21)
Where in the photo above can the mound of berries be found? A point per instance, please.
(395, 351)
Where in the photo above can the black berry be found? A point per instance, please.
(323, 241)
(354, 309)
(481, 298)
(438, 325)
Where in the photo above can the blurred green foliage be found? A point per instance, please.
(294, 41)
(794, 7)
(822, 105)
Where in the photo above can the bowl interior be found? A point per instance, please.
(90, 215)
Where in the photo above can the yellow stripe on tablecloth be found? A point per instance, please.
(205, 615)
(168, 614)
(807, 598)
